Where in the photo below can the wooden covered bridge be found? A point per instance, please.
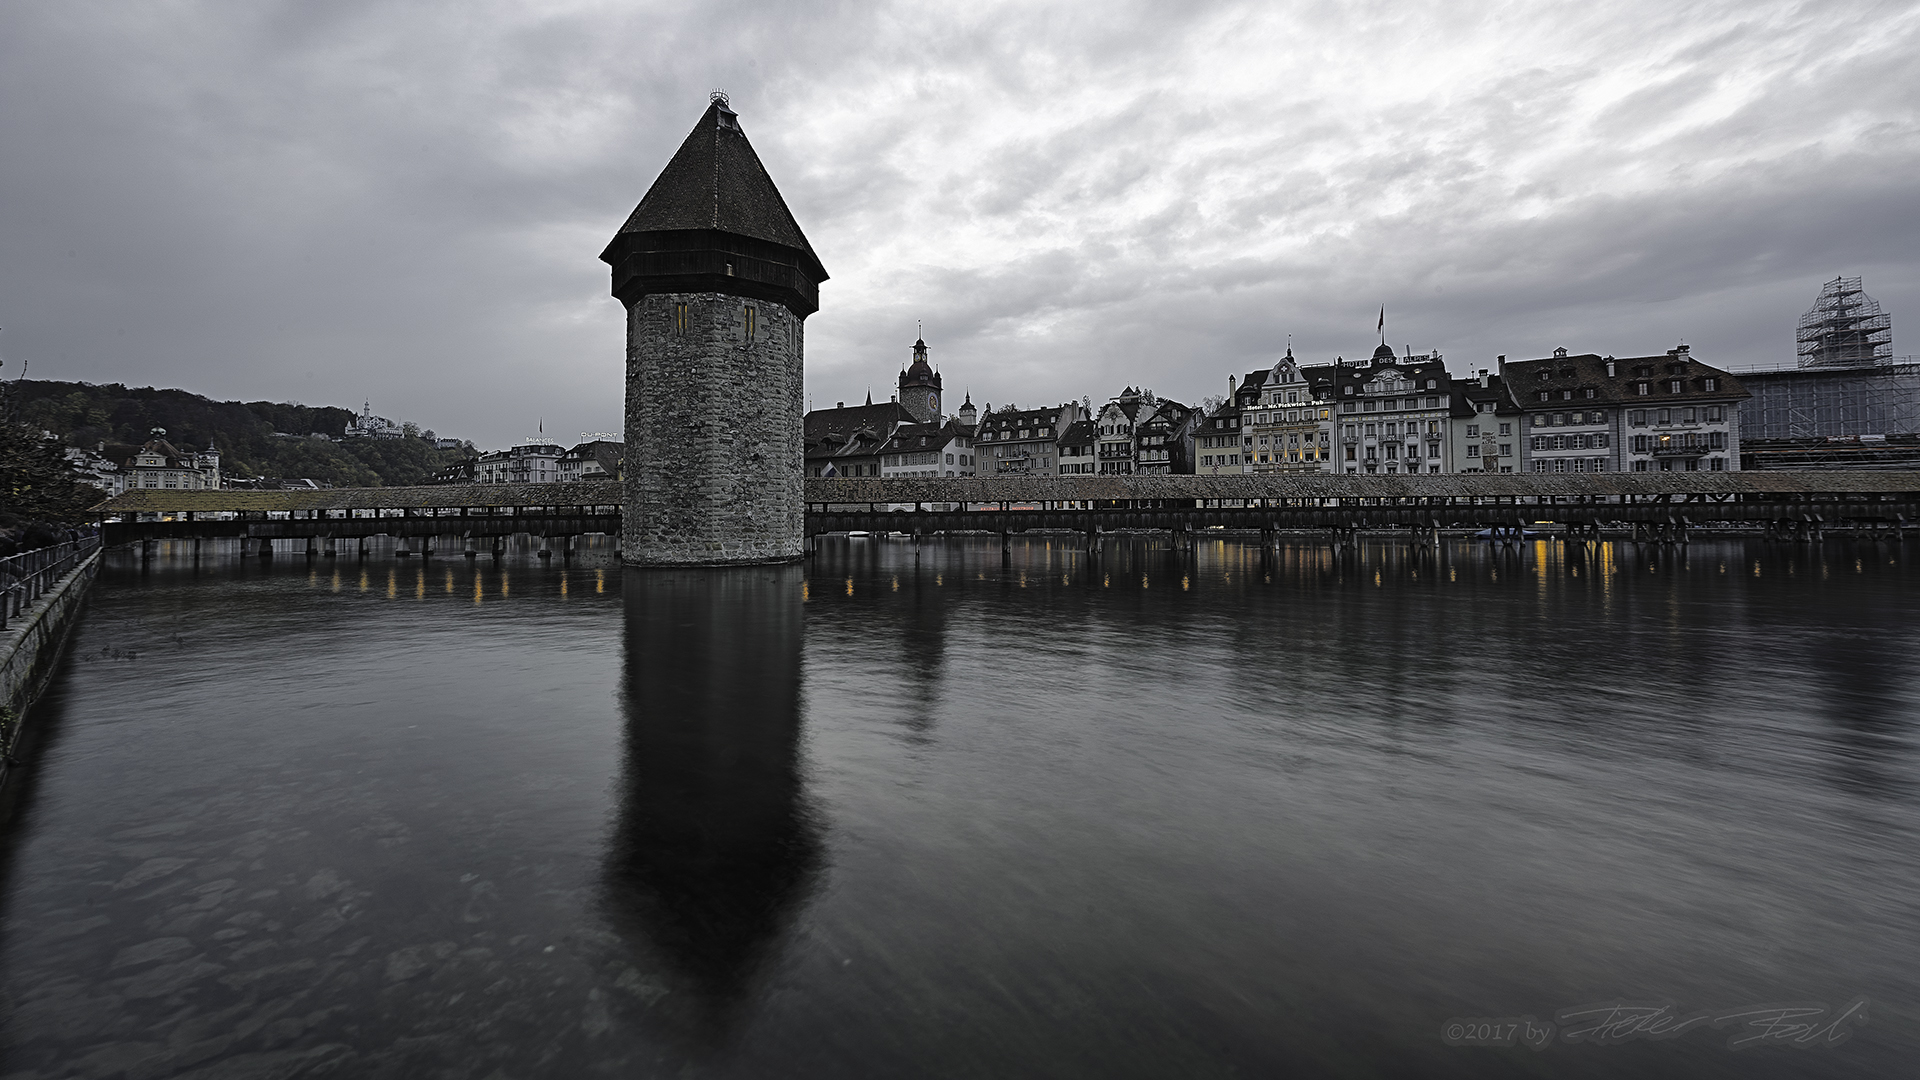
(475, 519)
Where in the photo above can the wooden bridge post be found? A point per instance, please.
(330, 547)
(313, 547)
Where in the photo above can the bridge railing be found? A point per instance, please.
(25, 577)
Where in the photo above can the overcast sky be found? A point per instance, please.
(331, 202)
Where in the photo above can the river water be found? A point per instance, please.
(939, 814)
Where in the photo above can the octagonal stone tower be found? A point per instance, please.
(718, 282)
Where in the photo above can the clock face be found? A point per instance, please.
(933, 401)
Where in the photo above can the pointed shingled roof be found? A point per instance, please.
(716, 181)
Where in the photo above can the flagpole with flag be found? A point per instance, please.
(1382, 328)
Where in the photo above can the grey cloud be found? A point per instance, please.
(326, 202)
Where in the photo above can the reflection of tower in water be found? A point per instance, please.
(713, 849)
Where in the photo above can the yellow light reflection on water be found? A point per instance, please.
(1183, 583)
(449, 581)
(896, 583)
(393, 583)
(599, 581)
(420, 584)
(1106, 580)
(505, 586)
(336, 581)
(479, 588)
(805, 592)
(849, 586)
(363, 581)
(563, 584)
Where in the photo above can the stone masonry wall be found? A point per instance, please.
(714, 458)
(31, 645)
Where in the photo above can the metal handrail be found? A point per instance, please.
(25, 577)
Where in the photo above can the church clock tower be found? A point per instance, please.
(920, 387)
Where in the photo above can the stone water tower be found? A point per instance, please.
(718, 281)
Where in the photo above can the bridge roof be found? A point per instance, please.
(1026, 489)
(1030, 489)
(439, 496)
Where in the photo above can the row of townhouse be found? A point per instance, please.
(1407, 415)
(537, 462)
(910, 435)
(1385, 414)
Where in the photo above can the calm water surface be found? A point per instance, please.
(887, 816)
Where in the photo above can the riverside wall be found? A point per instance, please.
(30, 649)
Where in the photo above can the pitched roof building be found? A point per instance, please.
(844, 441)
(159, 464)
(1586, 412)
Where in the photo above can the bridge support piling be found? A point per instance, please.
(472, 552)
(545, 548)
(330, 547)
(313, 547)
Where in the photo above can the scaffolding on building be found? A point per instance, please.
(1844, 329)
(1832, 403)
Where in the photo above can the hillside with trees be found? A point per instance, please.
(255, 438)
